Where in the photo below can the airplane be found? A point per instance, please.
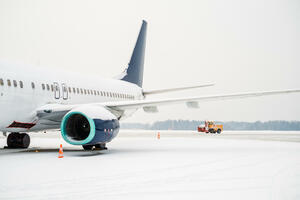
(87, 110)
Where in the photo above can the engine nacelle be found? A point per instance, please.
(89, 125)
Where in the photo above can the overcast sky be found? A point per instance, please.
(242, 46)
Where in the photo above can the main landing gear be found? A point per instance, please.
(94, 147)
(18, 140)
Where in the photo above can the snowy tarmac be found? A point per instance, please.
(180, 165)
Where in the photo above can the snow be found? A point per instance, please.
(137, 165)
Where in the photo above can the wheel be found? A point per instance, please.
(212, 130)
(219, 131)
(88, 147)
(100, 147)
(25, 140)
(17, 140)
(12, 140)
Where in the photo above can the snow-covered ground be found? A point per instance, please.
(180, 165)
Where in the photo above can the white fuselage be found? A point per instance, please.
(24, 89)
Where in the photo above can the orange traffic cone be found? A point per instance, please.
(158, 135)
(60, 153)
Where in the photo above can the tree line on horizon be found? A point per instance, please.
(278, 125)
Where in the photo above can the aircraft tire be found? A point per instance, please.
(100, 147)
(12, 140)
(88, 147)
(25, 140)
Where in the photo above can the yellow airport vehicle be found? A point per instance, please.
(210, 127)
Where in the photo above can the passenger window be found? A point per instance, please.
(8, 82)
(95, 93)
(21, 84)
(88, 91)
(84, 91)
(81, 90)
(98, 93)
(32, 85)
(48, 87)
(70, 90)
(78, 91)
(52, 88)
(1, 82)
(74, 91)
(15, 83)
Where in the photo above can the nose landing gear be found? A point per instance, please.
(18, 140)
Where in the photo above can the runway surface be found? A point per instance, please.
(137, 165)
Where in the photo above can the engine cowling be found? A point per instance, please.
(89, 125)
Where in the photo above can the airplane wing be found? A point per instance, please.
(193, 101)
(55, 111)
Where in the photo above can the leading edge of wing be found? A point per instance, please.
(142, 103)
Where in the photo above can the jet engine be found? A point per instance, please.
(89, 125)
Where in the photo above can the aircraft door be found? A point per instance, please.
(65, 91)
(56, 90)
